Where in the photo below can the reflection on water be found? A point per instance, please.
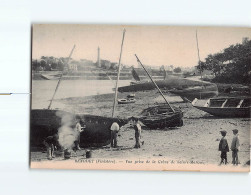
(42, 90)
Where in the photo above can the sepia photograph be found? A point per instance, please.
(140, 97)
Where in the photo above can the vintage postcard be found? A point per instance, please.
(118, 97)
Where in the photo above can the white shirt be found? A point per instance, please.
(115, 126)
(78, 127)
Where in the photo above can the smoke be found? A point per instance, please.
(67, 132)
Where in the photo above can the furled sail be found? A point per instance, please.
(135, 75)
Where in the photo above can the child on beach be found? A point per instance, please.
(235, 147)
(51, 142)
(223, 147)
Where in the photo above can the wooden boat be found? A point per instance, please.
(126, 101)
(199, 92)
(131, 95)
(161, 116)
(46, 122)
(225, 107)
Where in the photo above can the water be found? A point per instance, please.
(42, 90)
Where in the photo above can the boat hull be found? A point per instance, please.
(46, 122)
(209, 92)
(226, 112)
(172, 120)
(126, 101)
(161, 116)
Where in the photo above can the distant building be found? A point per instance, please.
(73, 67)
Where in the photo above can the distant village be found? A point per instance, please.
(50, 63)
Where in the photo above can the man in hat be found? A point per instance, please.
(235, 147)
(223, 147)
(51, 142)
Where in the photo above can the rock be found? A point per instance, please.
(217, 139)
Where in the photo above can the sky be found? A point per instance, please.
(154, 45)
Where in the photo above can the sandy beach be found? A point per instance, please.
(197, 140)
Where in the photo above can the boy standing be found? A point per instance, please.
(223, 147)
(137, 128)
(235, 147)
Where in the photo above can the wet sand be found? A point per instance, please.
(197, 140)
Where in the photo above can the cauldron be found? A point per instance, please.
(67, 154)
(88, 154)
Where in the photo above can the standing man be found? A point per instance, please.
(51, 142)
(114, 134)
(235, 147)
(78, 129)
(223, 147)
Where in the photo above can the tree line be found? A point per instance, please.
(232, 65)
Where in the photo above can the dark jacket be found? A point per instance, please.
(223, 146)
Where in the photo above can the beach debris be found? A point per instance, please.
(233, 123)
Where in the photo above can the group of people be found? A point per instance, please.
(224, 148)
(52, 142)
(116, 126)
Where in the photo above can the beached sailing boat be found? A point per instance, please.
(162, 115)
(45, 122)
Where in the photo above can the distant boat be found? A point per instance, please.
(126, 101)
(199, 92)
(161, 116)
(132, 95)
(225, 107)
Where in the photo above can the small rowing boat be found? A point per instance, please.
(161, 116)
(225, 106)
(126, 101)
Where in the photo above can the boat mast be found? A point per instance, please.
(197, 42)
(155, 84)
(59, 80)
(198, 50)
(116, 88)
